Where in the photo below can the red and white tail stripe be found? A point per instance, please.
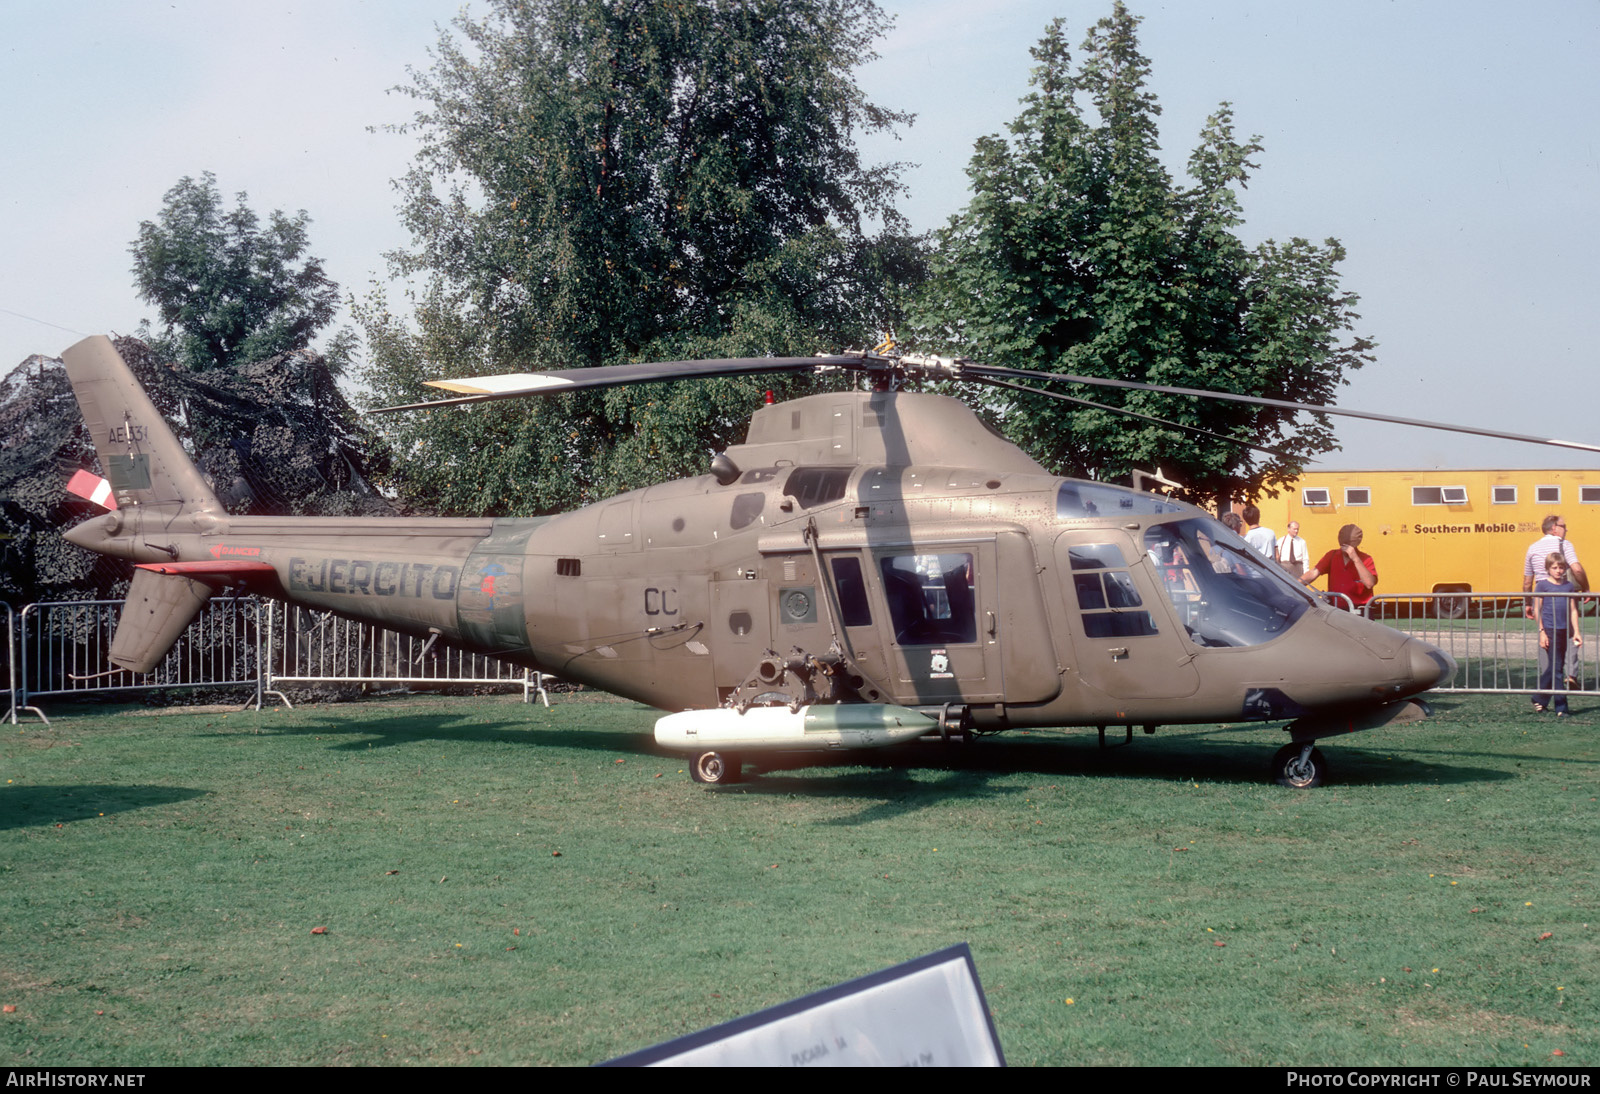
(92, 487)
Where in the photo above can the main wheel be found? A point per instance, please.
(715, 768)
(1288, 769)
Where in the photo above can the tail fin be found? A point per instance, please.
(145, 463)
(158, 491)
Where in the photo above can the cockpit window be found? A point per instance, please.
(1095, 556)
(1224, 592)
(1076, 500)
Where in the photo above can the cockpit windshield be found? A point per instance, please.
(1222, 590)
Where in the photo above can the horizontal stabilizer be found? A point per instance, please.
(158, 609)
(230, 569)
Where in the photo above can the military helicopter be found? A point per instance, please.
(870, 566)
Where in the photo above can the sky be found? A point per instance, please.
(1453, 148)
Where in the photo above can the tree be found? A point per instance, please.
(611, 180)
(1077, 253)
(228, 290)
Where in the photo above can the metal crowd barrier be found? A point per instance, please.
(60, 648)
(1493, 639)
(66, 646)
(15, 703)
(306, 647)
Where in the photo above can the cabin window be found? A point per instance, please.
(852, 588)
(1438, 495)
(1589, 495)
(746, 508)
(1547, 495)
(616, 524)
(814, 486)
(1357, 495)
(931, 598)
(1315, 496)
(1503, 495)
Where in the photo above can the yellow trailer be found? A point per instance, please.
(1442, 531)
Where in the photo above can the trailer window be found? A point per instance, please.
(1357, 495)
(1547, 495)
(1589, 495)
(1503, 495)
(1438, 495)
(1315, 496)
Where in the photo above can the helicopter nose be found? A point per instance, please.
(1430, 666)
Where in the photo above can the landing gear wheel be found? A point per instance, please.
(715, 768)
(1288, 769)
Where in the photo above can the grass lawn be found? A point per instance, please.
(503, 884)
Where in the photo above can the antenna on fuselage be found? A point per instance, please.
(1156, 478)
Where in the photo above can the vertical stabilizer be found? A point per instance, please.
(158, 493)
(143, 461)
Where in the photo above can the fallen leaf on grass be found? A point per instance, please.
(319, 930)
(1219, 943)
(1546, 935)
(9, 1008)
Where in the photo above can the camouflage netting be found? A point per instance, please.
(275, 438)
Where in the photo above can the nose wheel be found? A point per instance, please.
(1299, 766)
(715, 768)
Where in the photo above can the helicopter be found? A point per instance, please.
(868, 567)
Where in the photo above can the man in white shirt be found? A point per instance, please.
(1554, 541)
(1262, 539)
(1291, 551)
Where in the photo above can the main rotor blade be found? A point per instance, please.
(994, 382)
(970, 368)
(516, 385)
